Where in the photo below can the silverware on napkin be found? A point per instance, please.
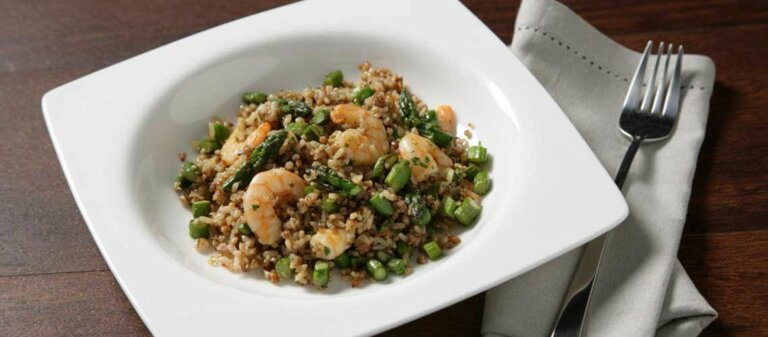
(647, 119)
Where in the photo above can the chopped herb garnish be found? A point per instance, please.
(423, 163)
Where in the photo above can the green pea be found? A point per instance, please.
(329, 205)
(467, 212)
(190, 171)
(380, 166)
(477, 154)
(342, 261)
(391, 161)
(481, 183)
(399, 175)
(218, 132)
(321, 274)
(449, 206)
(382, 206)
(283, 105)
(296, 127)
(472, 171)
(433, 250)
(208, 146)
(397, 266)
(254, 97)
(376, 269)
(198, 229)
(334, 78)
(361, 94)
(312, 132)
(283, 268)
(321, 116)
(201, 208)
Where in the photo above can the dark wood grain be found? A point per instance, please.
(54, 282)
(730, 270)
(71, 304)
(42, 231)
(620, 17)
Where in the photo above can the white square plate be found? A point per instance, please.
(117, 132)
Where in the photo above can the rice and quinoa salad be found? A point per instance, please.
(357, 176)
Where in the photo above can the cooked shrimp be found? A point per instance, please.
(446, 118)
(365, 140)
(265, 190)
(329, 243)
(234, 146)
(426, 158)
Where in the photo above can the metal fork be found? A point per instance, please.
(642, 120)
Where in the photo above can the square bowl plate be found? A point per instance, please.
(117, 132)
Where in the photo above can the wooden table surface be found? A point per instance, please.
(54, 282)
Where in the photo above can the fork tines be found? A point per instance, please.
(666, 99)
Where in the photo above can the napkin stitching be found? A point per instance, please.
(567, 46)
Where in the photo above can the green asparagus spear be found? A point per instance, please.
(428, 125)
(265, 151)
(408, 109)
(328, 179)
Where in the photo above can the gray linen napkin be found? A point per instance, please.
(642, 289)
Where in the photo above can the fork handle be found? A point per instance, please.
(627, 161)
(570, 322)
